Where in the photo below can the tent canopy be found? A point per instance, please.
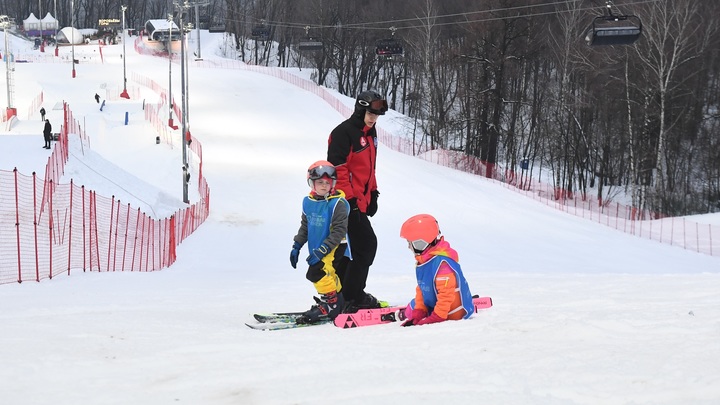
(31, 20)
(69, 35)
(32, 25)
(49, 21)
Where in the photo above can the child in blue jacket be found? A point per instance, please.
(323, 227)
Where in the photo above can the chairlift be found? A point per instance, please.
(389, 48)
(613, 29)
(261, 33)
(310, 43)
(217, 28)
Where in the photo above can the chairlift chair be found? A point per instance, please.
(388, 48)
(217, 28)
(310, 44)
(614, 30)
(260, 33)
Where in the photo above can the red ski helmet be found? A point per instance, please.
(420, 231)
(320, 169)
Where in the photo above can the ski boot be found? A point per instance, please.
(368, 302)
(327, 307)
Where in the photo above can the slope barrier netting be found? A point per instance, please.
(48, 228)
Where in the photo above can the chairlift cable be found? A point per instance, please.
(374, 25)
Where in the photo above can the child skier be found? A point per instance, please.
(442, 292)
(323, 226)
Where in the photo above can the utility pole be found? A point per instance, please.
(124, 93)
(72, 36)
(40, 16)
(185, 168)
(198, 55)
(170, 57)
(57, 27)
(5, 24)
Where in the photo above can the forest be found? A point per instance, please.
(514, 83)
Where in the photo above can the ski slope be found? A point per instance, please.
(582, 314)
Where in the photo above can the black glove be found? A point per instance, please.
(372, 207)
(353, 204)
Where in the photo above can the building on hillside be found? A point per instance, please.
(160, 30)
(161, 35)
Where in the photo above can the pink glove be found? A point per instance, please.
(433, 318)
(416, 316)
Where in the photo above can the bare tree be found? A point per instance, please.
(673, 38)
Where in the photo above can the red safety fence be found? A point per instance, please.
(48, 228)
(35, 105)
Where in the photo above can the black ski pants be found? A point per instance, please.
(363, 245)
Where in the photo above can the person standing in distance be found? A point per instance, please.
(47, 134)
(352, 150)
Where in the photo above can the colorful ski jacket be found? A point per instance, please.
(352, 148)
(324, 221)
(442, 287)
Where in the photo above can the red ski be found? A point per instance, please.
(377, 316)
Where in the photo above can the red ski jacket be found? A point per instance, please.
(352, 149)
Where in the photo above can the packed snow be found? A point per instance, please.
(582, 314)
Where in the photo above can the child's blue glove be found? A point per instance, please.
(317, 254)
(294, 254)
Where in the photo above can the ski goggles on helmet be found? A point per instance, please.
(318, 172)
(418, 245)
(377, 107)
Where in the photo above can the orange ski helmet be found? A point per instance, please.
(320, 169)
(420, 231)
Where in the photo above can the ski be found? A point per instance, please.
(367, 317)
(283, 317)
(284, 325)
(288, 317)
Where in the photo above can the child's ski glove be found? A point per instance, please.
(294, 254)
(433, 318)
(416, 316)
(317, 254)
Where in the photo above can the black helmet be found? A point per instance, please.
(372, 101)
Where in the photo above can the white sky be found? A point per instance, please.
(583, 314)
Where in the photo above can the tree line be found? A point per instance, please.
(512, 82)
